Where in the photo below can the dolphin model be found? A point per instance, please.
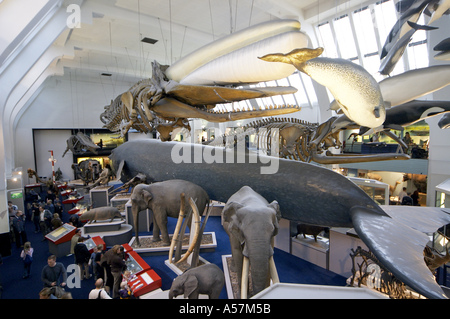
(441, 8)
(400, 28)
(412, 112)
(395, 53)
(444, 48)
(444, 122)
(306, 193)
(354, 89)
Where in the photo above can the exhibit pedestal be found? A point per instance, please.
(300, 291)
(145, 218)
(178, 270)
(59, 250)
(59, 240)
(164, 294)
(282, 240)
(112, 233)
(310, 250)
(208, 244)
(119, 201)
(100, 195)
(342, 241)
(103, 226)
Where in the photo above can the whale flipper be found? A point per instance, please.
(398, 241)
(296, 57)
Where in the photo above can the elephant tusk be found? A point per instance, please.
(273, 271)
(196, 233)
(177, 227)
(244, 279)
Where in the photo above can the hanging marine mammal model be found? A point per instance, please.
(401, 27)
(306, 193)
(390, 60)
(354, 89)
(412, 84)
(443, 48)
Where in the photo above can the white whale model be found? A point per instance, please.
(413, 84)
(234, 58)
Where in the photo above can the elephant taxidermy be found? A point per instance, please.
(206, 279)
(164, 199)
(252, 223)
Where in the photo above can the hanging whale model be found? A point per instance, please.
(354, 89)
(395, 53)
(401, 27)
(444, 122)
(412, 84)
(412, 112)
(306, 193)
(442, 7)
(444, 50)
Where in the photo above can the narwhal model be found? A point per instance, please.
(354, 89)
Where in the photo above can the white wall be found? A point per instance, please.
(66, 102)
(439, 155)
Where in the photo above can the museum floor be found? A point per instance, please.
(291, 269)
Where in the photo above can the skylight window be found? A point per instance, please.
(360, 35)
(345, 39)
(327, 40)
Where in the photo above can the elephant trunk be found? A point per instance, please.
(135, 212)
(259, 256)
(259, 266)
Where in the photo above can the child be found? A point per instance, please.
(125, 291)
(127, 276)
(27, 257)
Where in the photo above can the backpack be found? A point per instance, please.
(28, 259)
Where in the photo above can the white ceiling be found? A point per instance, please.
(108, 40)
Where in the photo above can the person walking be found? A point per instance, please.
(27, 258)
(54, 275)
(19, 229)
(82, 256)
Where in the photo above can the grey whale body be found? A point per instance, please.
(306, 193)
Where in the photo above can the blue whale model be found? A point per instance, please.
(306, 193)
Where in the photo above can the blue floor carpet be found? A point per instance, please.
(290, 268)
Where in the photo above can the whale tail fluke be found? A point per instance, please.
(398, 241)
(295, 57)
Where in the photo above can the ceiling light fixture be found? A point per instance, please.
(149, 40)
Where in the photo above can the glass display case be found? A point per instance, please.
(61, 234)
(378, 191)
(443, 194)
(93, 242)
(135, 264)
(443, 200)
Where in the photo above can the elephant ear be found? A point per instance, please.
(147, 196)
(276, 207)
(230, 215)
(190, 285)
(276, 218)
(229, 211)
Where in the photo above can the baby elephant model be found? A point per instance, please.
(101, 213)
(164, 200)
(251, 223)
(207, 279)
